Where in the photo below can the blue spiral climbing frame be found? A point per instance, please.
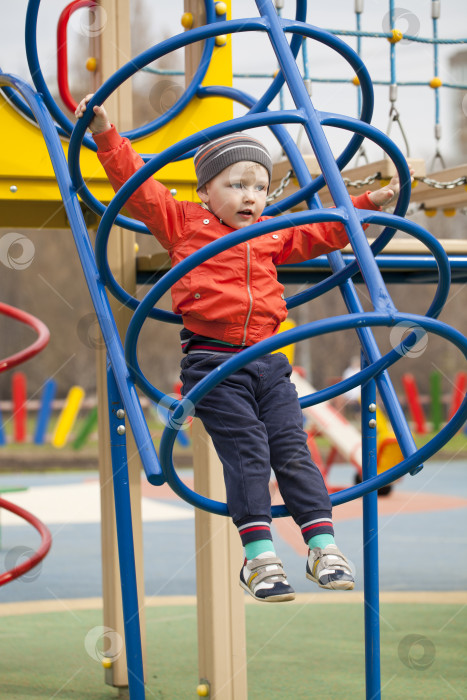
(124, 373)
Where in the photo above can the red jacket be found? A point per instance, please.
(235, 296)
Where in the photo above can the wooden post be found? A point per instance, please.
(220, 600)
(221, 605)
(193, 51)
(112, 36)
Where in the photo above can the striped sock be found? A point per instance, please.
(254, 531)
(252, 549)
(320, 541)
(317, 526)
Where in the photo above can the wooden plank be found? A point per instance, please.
(221, 601)
(193, 51)
(430, 197)
(160, 262)
(410, 246)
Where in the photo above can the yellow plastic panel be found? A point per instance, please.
(26, 173)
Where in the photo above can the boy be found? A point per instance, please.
(228, 303)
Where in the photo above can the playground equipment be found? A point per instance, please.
(345, 439)
(9, 362)
(444, 189)
(123, 371)
(65, 421)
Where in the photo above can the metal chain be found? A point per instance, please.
(436, 184)
(426, 180)
(281, 187)
(443, 185)
(362, 183)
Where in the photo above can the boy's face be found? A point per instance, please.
(238, 194)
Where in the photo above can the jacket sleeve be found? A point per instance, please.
(306, 242)
(152, 203)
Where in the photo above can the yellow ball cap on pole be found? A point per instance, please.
(203, 690)
(396, 35)
(221, 8)
(91, 64)
(187, 20)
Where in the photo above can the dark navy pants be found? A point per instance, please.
(255, 422)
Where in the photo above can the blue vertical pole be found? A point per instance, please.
(370, 544)
(126, 552)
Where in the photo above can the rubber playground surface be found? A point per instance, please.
(313, 646)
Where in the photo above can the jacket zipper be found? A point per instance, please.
(248, 272)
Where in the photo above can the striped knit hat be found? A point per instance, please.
(214, 156)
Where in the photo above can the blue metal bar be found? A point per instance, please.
(370, 543)
(126, 551)
(200, 33)
(367, 93)
(376, 288)
(298, 334)
(281, 91)
(147, 304)
(439, 261)
(111, 213)
(283, 136)
(378, 293)
(401, 206)
(295, 45)
(362, 323)
(373, 355)
(388, 394)
(64, 121)
(96, 287)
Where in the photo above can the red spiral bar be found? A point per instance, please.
(38, 345)
(8, 363)
(62, 50)
(46, 542)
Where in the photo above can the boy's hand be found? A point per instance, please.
(387, 194)
(100, 122)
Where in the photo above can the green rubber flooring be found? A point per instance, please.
(294, 651)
